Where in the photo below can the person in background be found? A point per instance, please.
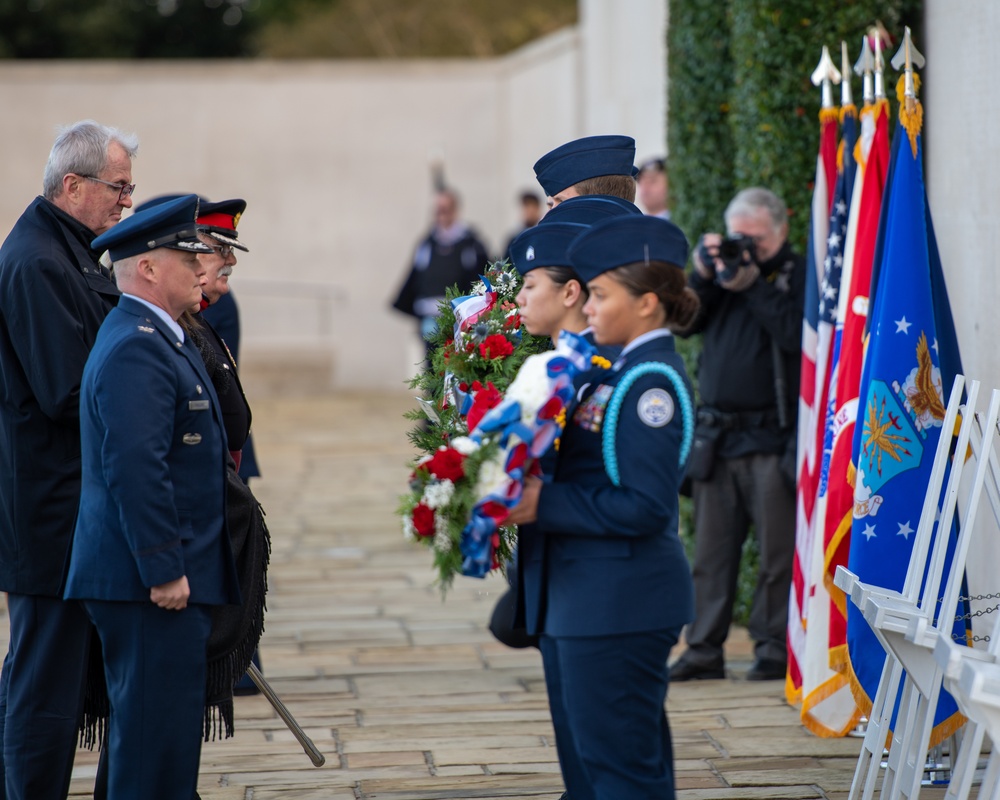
(151, 553)
(592, 165)
(531, 214)
(54, 295)
(652, 188)
(748, 378)
(613, 589)
(451, 253)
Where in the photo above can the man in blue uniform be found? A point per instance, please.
(591, 165)
(151, 553)
(54, 295)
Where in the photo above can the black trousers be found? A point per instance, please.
(41, 696)
(744, 491)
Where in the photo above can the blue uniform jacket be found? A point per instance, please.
(604, 559)
(152, 506)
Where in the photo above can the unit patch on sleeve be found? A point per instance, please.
(656, 407)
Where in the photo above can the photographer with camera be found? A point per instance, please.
(751, 286)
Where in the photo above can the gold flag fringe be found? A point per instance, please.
(829, 115)
(912, 119)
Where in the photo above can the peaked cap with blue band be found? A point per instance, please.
(620, 241)
(170, 224)
(544, 246)
(590, 208)
(218, 220)
(581, 159)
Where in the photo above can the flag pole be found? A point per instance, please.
(846, 98)
(865, 67)
(907, 58)
(879, 67)
(826, 74)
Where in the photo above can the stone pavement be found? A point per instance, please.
(408, 695)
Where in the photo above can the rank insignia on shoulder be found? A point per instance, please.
(145, 328)
(656, 407)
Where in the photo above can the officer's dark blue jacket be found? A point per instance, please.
(152, 506)
(605, 559)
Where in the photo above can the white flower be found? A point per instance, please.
(479, 288)
(504, 283)
(409, 532)
(492, 477)
(465, 445)
(442, 542)
(532, 388)
(438, 494)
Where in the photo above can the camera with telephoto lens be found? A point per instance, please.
(731, 254)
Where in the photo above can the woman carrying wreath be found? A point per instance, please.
(551, 300)
(612, 588)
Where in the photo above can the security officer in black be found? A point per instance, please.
(742, 471)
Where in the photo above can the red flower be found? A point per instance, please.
(513, 321)
(446, 464)
(496, 346)
(486, 397)
(423, 520)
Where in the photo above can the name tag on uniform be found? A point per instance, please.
(197, 405)
(191, 438)
(589, 414)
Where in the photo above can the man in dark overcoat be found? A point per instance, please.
(54, 295)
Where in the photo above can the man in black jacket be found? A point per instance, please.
(751, 288)
(54, 295)
(451, 253)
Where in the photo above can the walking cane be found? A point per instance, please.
(317, 758)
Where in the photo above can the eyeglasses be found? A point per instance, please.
(124, 189)
(224, 250)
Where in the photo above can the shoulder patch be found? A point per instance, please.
(656, 407)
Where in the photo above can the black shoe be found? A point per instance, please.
(766, 669)
(687, 671)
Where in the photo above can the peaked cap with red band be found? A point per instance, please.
(218, 220)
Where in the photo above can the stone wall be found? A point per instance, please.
(334, 161)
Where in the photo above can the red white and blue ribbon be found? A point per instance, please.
(525, 425)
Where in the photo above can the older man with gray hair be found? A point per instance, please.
(751, 286)
(54, 295)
